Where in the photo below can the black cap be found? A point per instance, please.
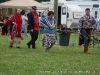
(87, 9)
(34, 7)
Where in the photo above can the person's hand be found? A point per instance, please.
(98, 30)
(79, 32)
(14, 23)
(52, 28)
(31, 30)
(47, 27)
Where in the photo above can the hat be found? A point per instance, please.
(34, 7)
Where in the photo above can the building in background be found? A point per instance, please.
(93, 5)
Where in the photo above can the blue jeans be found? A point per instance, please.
(24, 29)
(85, 36)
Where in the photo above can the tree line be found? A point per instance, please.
(36, 0)
(42, 0)
(3, 1)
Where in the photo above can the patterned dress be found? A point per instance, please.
(49, 37)
(14, 30)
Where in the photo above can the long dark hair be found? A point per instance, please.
(23, 12)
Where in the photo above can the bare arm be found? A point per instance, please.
(26, 18)
(53, 26)
(42, 24)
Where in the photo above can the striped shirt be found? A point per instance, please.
(87, 22)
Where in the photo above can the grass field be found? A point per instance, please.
(59, 61)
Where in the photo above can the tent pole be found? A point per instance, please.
(56, 12)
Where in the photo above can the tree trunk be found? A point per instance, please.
(0, 14)
(56, 12)
(9, 12)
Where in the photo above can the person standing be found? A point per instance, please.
(33, 22)
(85, 25)
(24, 20)
(13, 27)
(49, 24)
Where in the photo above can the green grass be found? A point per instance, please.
(59, 61)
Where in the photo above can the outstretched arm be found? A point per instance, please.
(42, 24)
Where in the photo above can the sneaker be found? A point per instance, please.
(47, 50)
(27, 35)
(10, 46)
(18, 47)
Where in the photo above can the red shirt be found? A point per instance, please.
(36, 21)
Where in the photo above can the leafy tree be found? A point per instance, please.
(3, 1)
(42, 0)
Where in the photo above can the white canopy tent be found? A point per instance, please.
(24, 4)
(60, 2)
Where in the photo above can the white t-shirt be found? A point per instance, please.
(24, 19)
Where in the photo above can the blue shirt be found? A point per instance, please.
(43, 20)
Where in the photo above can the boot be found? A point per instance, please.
(28, 45)
(33, 46)
(87, 52)
(86, 48)
(47, 49)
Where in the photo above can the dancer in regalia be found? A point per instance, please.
(49, 24)
(13, 27)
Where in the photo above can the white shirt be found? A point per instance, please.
(24, 19)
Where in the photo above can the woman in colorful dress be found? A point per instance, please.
(49, 24)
